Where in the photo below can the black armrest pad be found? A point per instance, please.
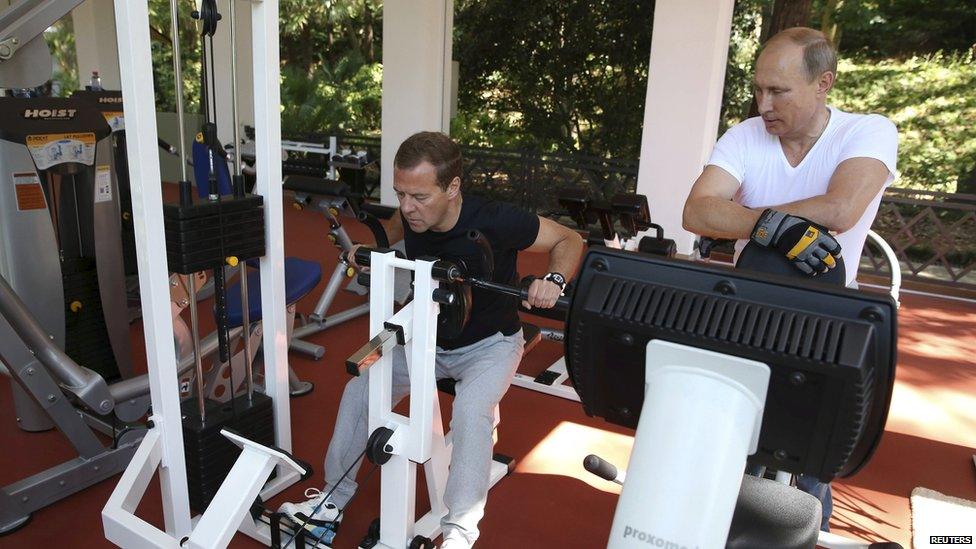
(378, 210)
(315, 185)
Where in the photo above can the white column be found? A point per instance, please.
(223, 50)
(147, 209)
(95, 43)
(416, 75)
(267, 144)
(689, 48)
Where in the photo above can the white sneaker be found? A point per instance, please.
(314, 511)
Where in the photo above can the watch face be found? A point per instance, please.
(557, 278)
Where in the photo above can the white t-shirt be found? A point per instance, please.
(756, 159)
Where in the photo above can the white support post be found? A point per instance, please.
(689, 48)
(417, 40)
(164, 444)
(267, 144)
(147, 204)
(718, 400)
(96, 44)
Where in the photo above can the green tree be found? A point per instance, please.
(331, 75)
(161, 43)
(60, 39)
(555, 75)
(900, 28)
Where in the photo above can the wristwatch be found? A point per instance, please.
(557, 279)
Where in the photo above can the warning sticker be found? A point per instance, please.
(30, 195)
(115, 120)
(61, 148)
(103, 184)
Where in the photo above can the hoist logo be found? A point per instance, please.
(109, 99)
(50, 114)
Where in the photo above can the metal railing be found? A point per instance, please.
(933, 234)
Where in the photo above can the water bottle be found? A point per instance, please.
(96, 82)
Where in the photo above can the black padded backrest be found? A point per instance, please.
(315, 185)
(771, 515)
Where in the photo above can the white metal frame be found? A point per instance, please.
(420, 437)
(162, 449)
(557, 388)
(894, 288)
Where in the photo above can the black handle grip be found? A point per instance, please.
(363, 253)
(362, 256)
(600, 467)
(167, 147)
(375, 227)
(444, 296)
(522, 292)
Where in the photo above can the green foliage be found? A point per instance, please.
(743, 46)
(160, 33)
(554, 75)
(931, 100)
(60, 39)
(902, 28)
(343, 97)
(317, 33)
(331, 77)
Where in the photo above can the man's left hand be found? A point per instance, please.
(542, 294)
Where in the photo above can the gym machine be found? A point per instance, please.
(61, 251)
(76, 400)
(399, 443)
(162, 451)
(109, 103)
(712, 367)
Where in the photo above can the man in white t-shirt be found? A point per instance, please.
(801, 167)
(803, 178)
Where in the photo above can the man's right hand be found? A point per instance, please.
(809, 246)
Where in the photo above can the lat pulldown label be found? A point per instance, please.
(61, 148)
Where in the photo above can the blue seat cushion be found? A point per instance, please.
(300, 277)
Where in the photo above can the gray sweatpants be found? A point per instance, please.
(484, 371)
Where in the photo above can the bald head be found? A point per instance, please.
(808, 46)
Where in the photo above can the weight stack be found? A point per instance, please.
(210, 455)
(86, 336)
(201, 236)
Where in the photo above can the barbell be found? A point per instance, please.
(454, 294)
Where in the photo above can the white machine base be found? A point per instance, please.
(227, 513)
(557, 372)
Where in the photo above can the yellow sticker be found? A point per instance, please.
(115, 119)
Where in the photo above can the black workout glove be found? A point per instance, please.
(809, 246)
